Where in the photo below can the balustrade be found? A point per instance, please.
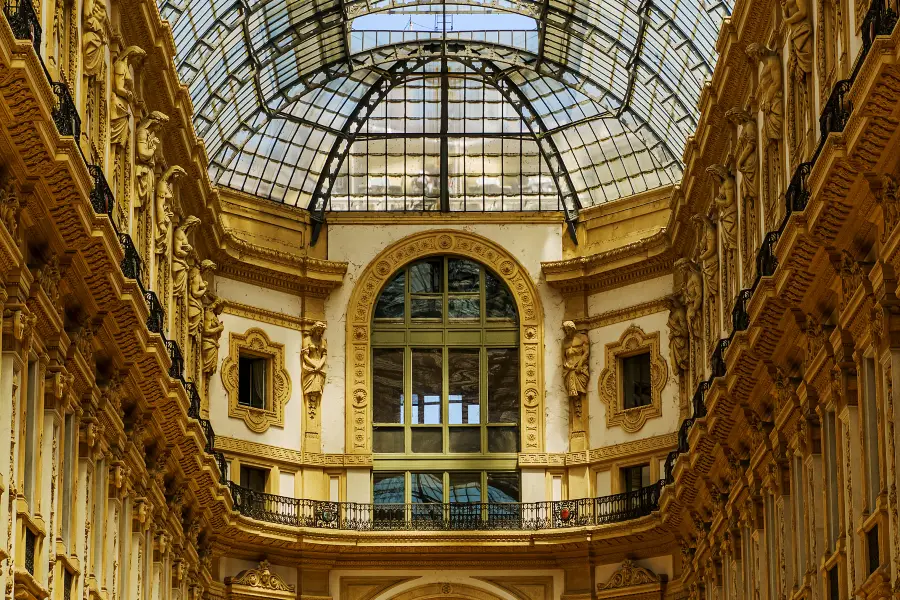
(157, 316)
(210, 434)
(797, 195)
(65, 115)
(717, 363)
(766, 260)
(879, 20)
(449, 516)
(193, 399)
(837, 110)
(740, 318)
(699, 401)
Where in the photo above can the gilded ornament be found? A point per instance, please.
(629, 575)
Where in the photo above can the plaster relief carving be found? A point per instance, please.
(629, 575)
(633, 341)
(261, 577)
(796, 17)
(95, 36)
(576, 374)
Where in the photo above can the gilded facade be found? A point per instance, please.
(236, 370)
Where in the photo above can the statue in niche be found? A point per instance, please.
(212, 331)
(678, 334)
(181, 252)
(747, 166)
(576, 373)
(707, 240)
(313, 357)
(198, 294)
(770, 92)
(95, 36)
(11, 206)
(122, 96)
(146, 146)
(796, 17)
(164, 212)
(726, 207)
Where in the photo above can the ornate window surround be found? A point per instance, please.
(441, 242)
(255, 342)
(633, 341)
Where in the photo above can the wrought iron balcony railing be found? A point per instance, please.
(740, 318)
(193, 399)
(837, 110)
(65, 115)
(101, 195)
(30, 545)
(491, 516)
(766, 261)
(718, 358)
(223, 467)
(699, 400)
(24, 22)
(879, 20)
(176, 371)
(157, 317)
(132, 265)
(207, 428)
(797, 195)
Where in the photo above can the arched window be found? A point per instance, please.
(445, 386)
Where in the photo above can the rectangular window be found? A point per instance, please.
(872, 552)
(252, 379)
(426, 492)
(388, 400)
(31, 425)
(870, 433)
(834, 586)
(503, 385)
(68, 475)
(254, 479)
(427, 386)
(636, 477)
(636, 380)
(829, 442)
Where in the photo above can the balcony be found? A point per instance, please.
(797, 195)
(65, 116)
(194, 400)
(132, 265)
(717, 362)
(740, 318)
(24, 22)
(101, 195)
(492, 516)
(157, 316)
(176, 371)
(837, 110)
(766, 260)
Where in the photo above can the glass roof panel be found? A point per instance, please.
(594, 98)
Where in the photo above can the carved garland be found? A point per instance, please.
(633, 341)
(628, 575)
(261, 580)
(359, 322)
(278, 390)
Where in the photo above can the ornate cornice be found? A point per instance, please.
(630, 575)
(638, 261)
(286, 456)
(260, 579)
(598, 456)
(621, 315)
(255, 313)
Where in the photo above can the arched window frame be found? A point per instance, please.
(358, 409)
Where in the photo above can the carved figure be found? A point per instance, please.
(122, 96)
(796, 17)
(198, 292)
(146, 146)
(313, 356)
(771, 91)
(747, 158)
(576, 372)
(212, 331)
(95, 35)
(181, 251)
(164, 211)
(725, 204)
(10, 207)
(709, 260)
(678, 334)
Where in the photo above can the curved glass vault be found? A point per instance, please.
(309, 103)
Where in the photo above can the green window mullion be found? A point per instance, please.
(445, 394)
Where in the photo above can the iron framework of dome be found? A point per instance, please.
(296, 105)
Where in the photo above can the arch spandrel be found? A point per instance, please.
(439, 242)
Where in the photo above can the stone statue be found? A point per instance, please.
(313, 356)
(10, 207)
(709, 260)
(181, 251)
(796, 17)
(212, 331)
(678, 334)
(576, 372)
(725, 204)
(122, 96)
(770, 92)
(164, 211)
(198, 293)
(146, 146)
(95, 36)
(747, 158)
